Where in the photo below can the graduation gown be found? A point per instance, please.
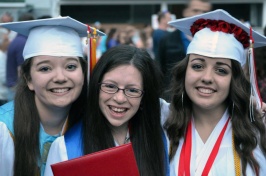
(7, 144)
(224, 161)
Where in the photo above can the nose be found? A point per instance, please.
(60, 76)
(120, 97)
(207, 77)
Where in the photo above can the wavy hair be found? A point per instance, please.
(27, 121)
(146, 130)
(247, 134)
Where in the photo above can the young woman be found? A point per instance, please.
(50, 96)
(123, 106)
(214, 128)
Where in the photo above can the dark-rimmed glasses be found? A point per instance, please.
(129, 92)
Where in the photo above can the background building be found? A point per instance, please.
(135, 12)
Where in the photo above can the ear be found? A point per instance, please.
(29, 83)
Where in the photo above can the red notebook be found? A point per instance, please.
(116, 161)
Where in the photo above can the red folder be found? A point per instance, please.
(116, 161)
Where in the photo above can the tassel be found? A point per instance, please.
(255, 93)
(91, 49)
(93, 46)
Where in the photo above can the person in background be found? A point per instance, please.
(4, 42)
(15, 58)
(50, 96)
(216, 125)
(163, 19)
(7, 17)
(111, 40)
(172, 47)
(122, 86)
(260, 56)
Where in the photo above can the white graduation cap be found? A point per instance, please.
(218, 43)
(218, 34)
(53, 36)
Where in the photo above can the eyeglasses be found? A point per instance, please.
(129, 92)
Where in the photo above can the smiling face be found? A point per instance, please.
(207, 81)
(117, 108)
(56, 81)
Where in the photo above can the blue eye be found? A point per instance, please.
(44, 69)
(196, 66)
(71, 67)
(132, 90)
(222, 71)
(111, 86)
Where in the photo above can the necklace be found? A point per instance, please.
(127, 138)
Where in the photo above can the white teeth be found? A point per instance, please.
(118, 109)
(59, 90)
(207, 91)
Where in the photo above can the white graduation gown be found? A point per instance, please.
(6, 151)
(224, 161)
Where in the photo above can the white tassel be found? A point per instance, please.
(255, 94)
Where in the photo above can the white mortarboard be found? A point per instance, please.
(217, 44)
(218, 34)
(53, 36)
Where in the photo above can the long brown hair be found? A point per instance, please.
(146, 131)
(27, 122)
(247, 134)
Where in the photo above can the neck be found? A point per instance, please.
(163, 26)
(206, 120)
(120, 134)
(52, 119)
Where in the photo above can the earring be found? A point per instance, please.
(182, 99)
(233, 109)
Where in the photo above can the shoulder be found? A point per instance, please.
(165, 109)
(59, 147)
(4, 132)
(6, 151)
(7, 115)
(18, 41)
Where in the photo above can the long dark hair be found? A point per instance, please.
(27, 121)
(146, 131)
(247, 134)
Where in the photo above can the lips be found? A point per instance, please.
(206, 90)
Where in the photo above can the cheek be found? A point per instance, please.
(103, 98)
(226, 85)
(78, 77)
(188, 82)
(136, 104)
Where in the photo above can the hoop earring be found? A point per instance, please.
(233, 109)
(182, 99)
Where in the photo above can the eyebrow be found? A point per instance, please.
(203, 60)
(48, 60)
(222, 63)
(217, 63)
(114, 82)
